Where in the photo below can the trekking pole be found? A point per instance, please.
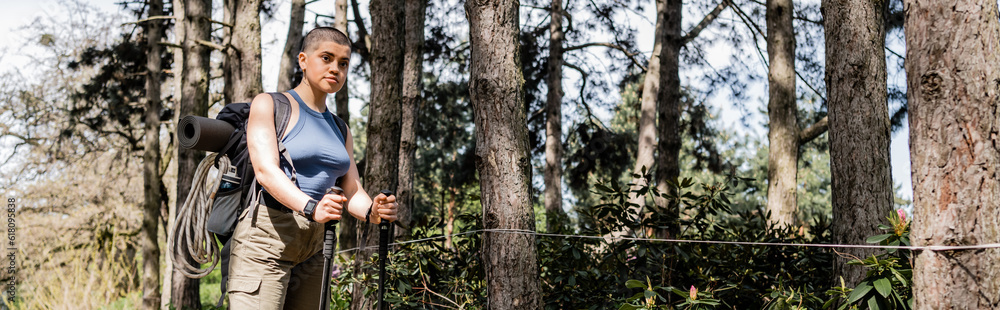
(383, 256)
(329, 245)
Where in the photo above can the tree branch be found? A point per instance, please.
(168, 44)
(149, 19)
(583, 101)
(694, 32)
(210, 44)
(817, 129)
(363, 41)
(220, 23)
(746, 20)
(630, 55)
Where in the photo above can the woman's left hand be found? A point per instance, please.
(384, 208)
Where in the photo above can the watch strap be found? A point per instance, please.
(309, 209)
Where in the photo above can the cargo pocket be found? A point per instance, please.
(244, 284)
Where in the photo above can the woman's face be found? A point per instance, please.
(325, 67)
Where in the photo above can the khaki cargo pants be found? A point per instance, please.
(276, 261)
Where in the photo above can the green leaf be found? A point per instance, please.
(602, 188)
(878, 238)
(648, 294)
(628, 307)
(634, 284)
(873, 304)
(900, 277)
(883, 286)
(860, 291)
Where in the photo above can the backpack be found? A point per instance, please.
(238, 188)
(233, 195)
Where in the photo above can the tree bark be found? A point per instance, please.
(340, 22)
(348, 237)
(553, 120)
(243, 60)
(496, 88)
(382, 167)
(859, 126)
(859, 123)
(293, 43)
(194, 101)
(151, 161)
(647, 116)
(953, 78)
(782, 159)
(178, 71)
(413, 58)
(449, 219)
(669, 110)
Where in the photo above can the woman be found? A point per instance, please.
(276, 261)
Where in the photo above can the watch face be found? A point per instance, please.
(308, 210)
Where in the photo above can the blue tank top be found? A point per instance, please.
(316, 146)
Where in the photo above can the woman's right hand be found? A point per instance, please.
(329, 208)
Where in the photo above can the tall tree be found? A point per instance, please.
(348, 238)
(243, 60)
(340, 22)
(293, 43)
(859, 125)
(193, 101)
(663, 106)
(153, 30)
(953, 78)
(668, 101)
(647, 113)
(497, 94)
(413, 58)
(668, 107)
(382, 158)
(178, 72)
(782, 110)
(553, 119)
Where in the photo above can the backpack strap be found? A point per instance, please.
(282, 116)
(342, 125)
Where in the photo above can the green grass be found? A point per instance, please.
(209, 289)
(129, 301)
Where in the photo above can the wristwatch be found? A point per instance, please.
(309, 209)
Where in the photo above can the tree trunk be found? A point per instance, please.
(553, 121)
(647, 116)
(348, 237)
(177, 66)
(859, 126)
(151, 161)
(194, 87)
(669, 109)
(502, 159)
(243, 60)
(412, 86)
(953, 78)
(340, 22)
(293, 43)
(782, 157)
(449, 219)
(382, 167)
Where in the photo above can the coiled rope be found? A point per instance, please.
(189, 240)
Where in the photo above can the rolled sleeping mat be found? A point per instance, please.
(204, 134)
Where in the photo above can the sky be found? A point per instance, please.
(18, 13)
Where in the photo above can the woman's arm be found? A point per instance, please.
(359, 200)
(262, 143)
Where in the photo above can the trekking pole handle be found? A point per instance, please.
(383, 253)
(329, 245)
(331, 226)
